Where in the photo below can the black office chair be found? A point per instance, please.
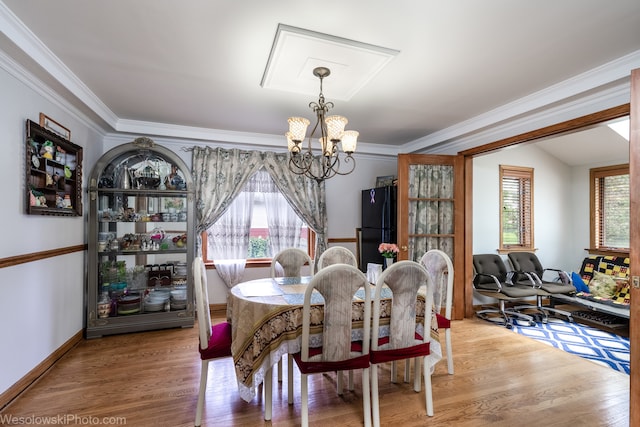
(529, 271)
(493, 280)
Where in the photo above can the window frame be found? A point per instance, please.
(257, 262)
(596, 176)
(522, 174)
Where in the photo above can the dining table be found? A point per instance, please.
(266, 319)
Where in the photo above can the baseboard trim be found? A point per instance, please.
(25, 382)
(218, 310)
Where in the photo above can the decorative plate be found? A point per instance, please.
(35, 160)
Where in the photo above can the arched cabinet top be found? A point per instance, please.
(141, 165)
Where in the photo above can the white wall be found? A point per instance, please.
(41, 303)
(552, 218)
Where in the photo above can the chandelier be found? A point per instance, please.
(302, 160)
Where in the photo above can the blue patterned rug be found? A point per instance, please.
(599, 346)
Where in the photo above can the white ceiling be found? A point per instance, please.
(198, 64)
(595, 145)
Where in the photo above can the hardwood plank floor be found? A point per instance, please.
(151, 379)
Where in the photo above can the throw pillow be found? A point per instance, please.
(623, 294)
(578, 283)
(602, 285)
(588, 267)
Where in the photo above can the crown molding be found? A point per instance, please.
(563, 100)
(612, 97)
(42, 89)
(180, 136)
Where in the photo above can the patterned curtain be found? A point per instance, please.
(283, 222)
(306, 196)
(219, 175)
(228, 239)
(430, 209)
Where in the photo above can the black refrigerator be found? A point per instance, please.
(379, 207)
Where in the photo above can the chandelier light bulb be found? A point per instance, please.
(298, 128)
(335, 127)
(349, 141)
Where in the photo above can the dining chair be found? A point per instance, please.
(406, 339)
(215, 341)
(289, 263)
(440, 267)
(337, 255)
(329, 347)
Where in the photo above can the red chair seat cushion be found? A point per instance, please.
(385, 340)
(381, 356)
(443, 322)
(219, 343)
(359, 362)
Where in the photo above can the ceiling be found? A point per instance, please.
(195, 67)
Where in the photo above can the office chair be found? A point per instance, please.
(530, 272)
(492, 280)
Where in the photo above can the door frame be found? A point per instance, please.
(634, 176)
(404, 160)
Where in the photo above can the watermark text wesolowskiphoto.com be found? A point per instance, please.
(61, 419)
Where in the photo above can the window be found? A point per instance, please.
(516, 208)
(258, 223)
(610, 208)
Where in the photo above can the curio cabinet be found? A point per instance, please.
(141, 241)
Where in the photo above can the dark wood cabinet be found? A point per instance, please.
(53, 173)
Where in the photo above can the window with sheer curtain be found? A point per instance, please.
(257, 225)
(516, 208)
(610, 208)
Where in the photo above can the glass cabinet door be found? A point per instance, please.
(141, 242)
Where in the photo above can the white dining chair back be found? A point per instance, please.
(406, 338)
(337, 284)
(440, 267)
(337, 255)
(215, 341)
(289, 263)
(331, 256)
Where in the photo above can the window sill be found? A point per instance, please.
(608, 252)
(257, 263)
(515, 249)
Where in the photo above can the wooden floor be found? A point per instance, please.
(501, 379)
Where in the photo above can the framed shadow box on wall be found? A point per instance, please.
(53, 173)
